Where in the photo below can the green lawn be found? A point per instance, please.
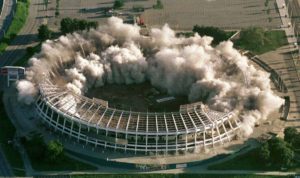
(172, 176)
(17, 23)
(273, 40)
(7, 132)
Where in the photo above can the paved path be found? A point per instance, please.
(289, 31)
(286, 22)
(288, 65)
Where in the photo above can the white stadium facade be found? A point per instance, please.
(92, 121)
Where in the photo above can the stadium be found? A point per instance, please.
(225, 95)
(195, 126)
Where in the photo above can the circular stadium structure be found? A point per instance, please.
(193, 127)
(227, 95)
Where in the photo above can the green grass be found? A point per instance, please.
(248, 161)
(17, 23)
(7, 132)
(274, 40)
(173, 176)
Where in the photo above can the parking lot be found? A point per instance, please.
(180, 15)
(228, 14)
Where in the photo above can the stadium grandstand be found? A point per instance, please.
(92, 121)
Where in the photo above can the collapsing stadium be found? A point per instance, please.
(227, 94)
(92, 121)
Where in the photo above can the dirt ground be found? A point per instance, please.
(136, 97)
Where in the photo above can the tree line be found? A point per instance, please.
(67, 25)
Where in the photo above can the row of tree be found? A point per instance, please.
(67, 25)
(218, 34)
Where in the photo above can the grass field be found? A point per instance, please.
(17, 23)
(172, 176)
(273, 40)
(7, 132)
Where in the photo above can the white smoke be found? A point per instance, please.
(218, 76)
(27, 91)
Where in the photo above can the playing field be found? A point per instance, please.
(137, 97)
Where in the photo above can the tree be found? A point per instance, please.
(218, 34)
(253, 38)
(44, 33)
(281, 153)
(158, 5)
(46, 2)
(57, 8)
(118, 4)
(68, 25)
(55, 151)
(93, 24)
(264, 152)
(289, 134)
